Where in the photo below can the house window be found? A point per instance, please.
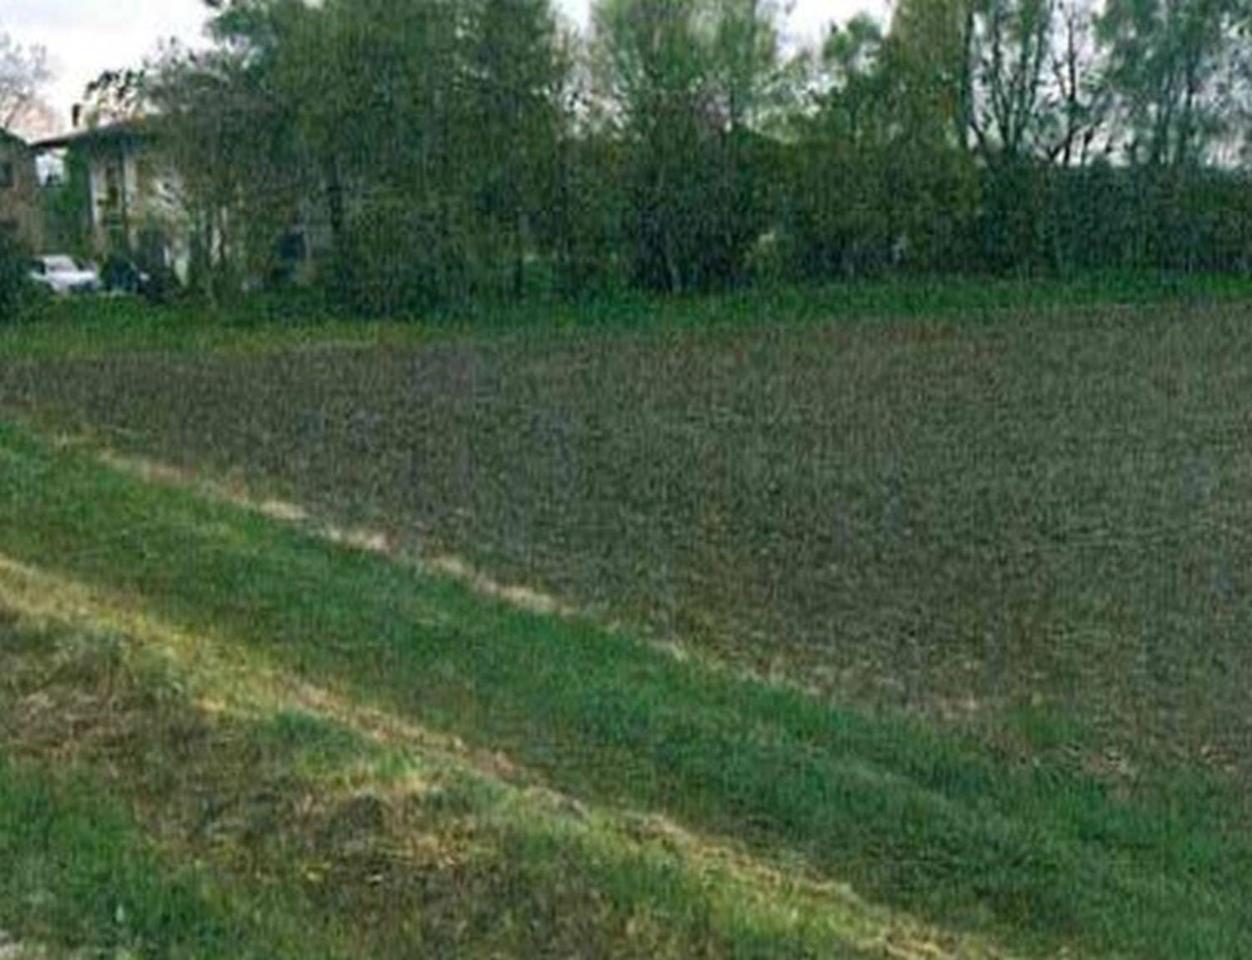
(7, 174)
(112, 186)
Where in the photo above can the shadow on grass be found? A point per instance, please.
(912, 818)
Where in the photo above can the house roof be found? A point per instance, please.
(105, 133)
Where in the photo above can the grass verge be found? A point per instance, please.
(88, 327)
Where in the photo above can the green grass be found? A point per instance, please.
(1034, 855)
(78, 872)
(90, 327)
(287, 832)
(1040, 491)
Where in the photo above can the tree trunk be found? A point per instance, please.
(519, 257)
(334, 204)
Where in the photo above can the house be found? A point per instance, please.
(21, 216)
(134, 197)
(137, 204)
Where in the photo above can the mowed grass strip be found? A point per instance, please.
(1033, 854)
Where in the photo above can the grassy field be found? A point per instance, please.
(905, 636)
(92, 327)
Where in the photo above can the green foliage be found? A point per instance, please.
(687, 86)
(879, 181)
(228, 129)
(415, 142)
(67, 214)
(437, 152)
(17, 293)
(398, 257)
(1174, 68)
(79, 873)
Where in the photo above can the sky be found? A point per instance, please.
(84, 37)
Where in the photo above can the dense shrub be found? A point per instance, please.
(1105, 217)
(16, 289)
(399, 257)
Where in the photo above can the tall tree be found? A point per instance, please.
(426, 129)
(1011, 44)
(1080, 104)
(685, 82)
(517, 69)
(1170, 65)
(23, 73)
(931, 63)
(838, 215)
(928, 94)
(228, 128)
(1009, 122)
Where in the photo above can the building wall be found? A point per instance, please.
(20, 209)
(135, 193)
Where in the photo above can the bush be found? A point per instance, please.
(400, 258)
(17, 292)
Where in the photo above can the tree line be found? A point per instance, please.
(458, 149)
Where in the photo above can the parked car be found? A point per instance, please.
(63, 274)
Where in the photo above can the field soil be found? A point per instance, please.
(1036, 526)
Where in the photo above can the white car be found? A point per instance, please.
(62, 274)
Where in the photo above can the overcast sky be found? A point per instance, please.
(84, 37)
